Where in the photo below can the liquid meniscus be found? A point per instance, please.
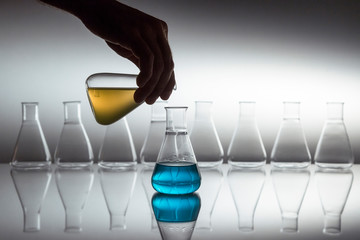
(176, 178)
(111, 104)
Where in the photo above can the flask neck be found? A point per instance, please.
(291, 110)
(335, 111)
(203, 110)
(158, 111)
(176, 119)
(30, 111)
(246, 110)
(72, 112)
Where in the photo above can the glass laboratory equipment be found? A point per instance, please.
(31, 186)
(155, 136)
(246, 148)
(334, 186)
(176, 171)
(334, 149)
(290, 148)
(74, 185)
(290, 186)
(74, 148)
(31, 149)
(117, 149)
(146, 173)
(111, 96)
(176, 214)
(246, 185)
(118, 187)
(209, 152)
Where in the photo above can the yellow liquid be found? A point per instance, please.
(111, 104)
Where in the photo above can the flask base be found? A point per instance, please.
(290, 164)
(116, 165)
(30, 165)
(333, 165)
(74, 164)
(247, 164)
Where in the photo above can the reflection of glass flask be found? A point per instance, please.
(290, 186)
(117, 186)
(208, 153)
(74, 148)
(146, 173)
(246, 185)
(211, 181)
(31, 149)
(155, 136)
(117, 149)
(334, 187)
(334, 149)
(74, 185)
(176, 170)
(290, 148)
(176, 214)
(31, 187)
(246, 148)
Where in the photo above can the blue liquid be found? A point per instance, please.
(176, 208)
(175, 178)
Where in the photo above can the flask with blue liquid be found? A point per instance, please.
(176, 170)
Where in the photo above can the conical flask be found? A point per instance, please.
(176, 215)
(117, 149)
(155, 136)
(176, 171)
(31, 149)
(290, 149)
(74, 148)
(208, 153)
(146, 173)
(334, 149)
(246, 148)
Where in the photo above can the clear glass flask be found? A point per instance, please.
(290, 148)
(155, 136)
(246, 148)
(111, 95)
(176, 171)
(74, 148)
(208, 153)
(31, 149)
(334, 149)
(117, 149)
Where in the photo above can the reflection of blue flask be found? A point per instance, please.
(176, 214)
(176, 170)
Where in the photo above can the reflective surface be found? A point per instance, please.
(336, 194)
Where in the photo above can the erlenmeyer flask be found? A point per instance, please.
(176, 215)
(74, 148)
(155, 136)
(146, 173)
(117, 149)
(176, 171)
(246, 148)
(31, 149)
(334, 149)
(290, 148)
(111, 95)
(208, 153)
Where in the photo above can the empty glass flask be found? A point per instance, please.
(155, 136)
(204, 137)
(176, 171)
(74, 148)
(334, 149)
(31, 149)
(246, 148)
(290, 148)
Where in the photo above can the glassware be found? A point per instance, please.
(74, 148)
(246, 148)
(117, 149)
(290, 148)
(111, 95)
(208, 153)
(290, 186)
(176, 215)
(211, 181)
(246, 185)
(155, 136)
(31, 149)
(74, 185)
(118, 187)
(334, 149)
(31, 186)
(334, 186)
(176, 171)
(146, 173)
